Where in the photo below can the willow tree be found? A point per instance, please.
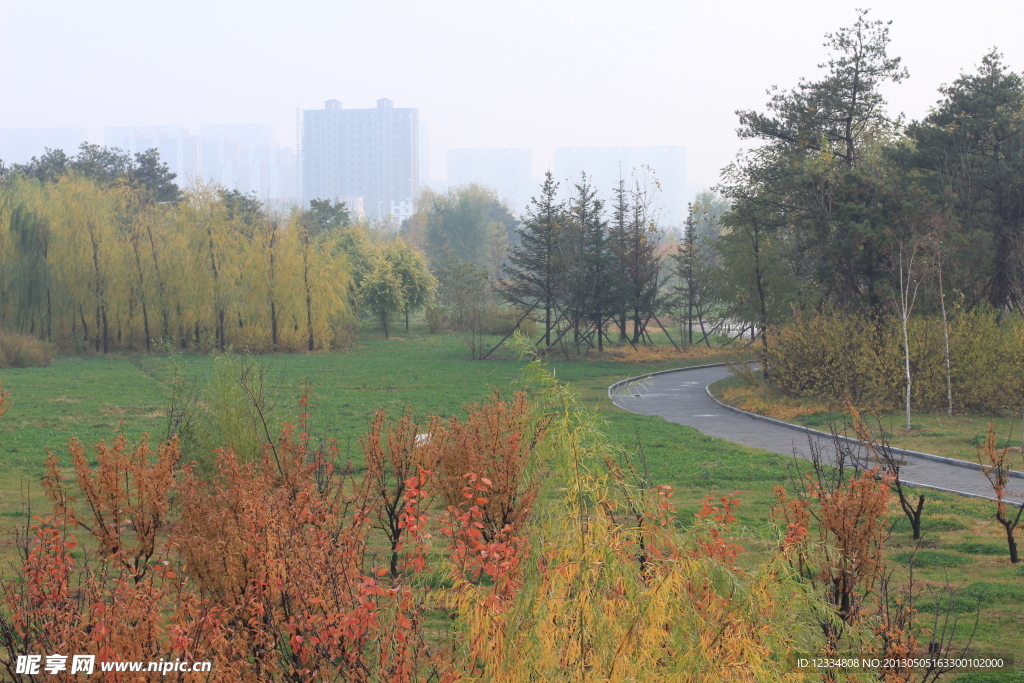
(105, 265)
(418, 284)
(209, 265)
(83, 214)
(381, 293)
(26, 274)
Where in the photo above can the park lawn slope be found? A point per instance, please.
(90, 397)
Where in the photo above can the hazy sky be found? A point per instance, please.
(538, 74)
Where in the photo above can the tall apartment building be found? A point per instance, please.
(177, 148)
(243, 157)
(506, 170)
(605, 165)
(368, 153)
(19, 145)
(246, 157)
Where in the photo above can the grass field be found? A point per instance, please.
(90, 397)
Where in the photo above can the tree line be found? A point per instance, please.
(588, 277)
(907, 235)
(843, 206)
(101, 251)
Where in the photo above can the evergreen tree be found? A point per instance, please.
(155, 177)
(534, 270)
(639, 259)
(694, 266)
(840, 113)
(325, 215)
(971, 150)
(824, 170)
(587, 261)
(618, 239)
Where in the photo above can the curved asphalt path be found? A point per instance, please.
(681, 396)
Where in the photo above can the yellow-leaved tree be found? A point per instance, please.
(105, 266)
(614, 591)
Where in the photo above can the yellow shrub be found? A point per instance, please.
(23, 351)
(842, 358)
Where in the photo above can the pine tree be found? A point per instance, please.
(618, 239)
(640, 258)
(586, 258)
(534, 270)
(971, 150)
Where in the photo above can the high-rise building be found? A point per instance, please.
(424, 152)
(241, 157)
(368, 153)
(176, 147)
(19, 145)
(506, 170)
(606, 165)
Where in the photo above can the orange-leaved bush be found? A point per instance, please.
(115, 607)
(394, 454)
(497, 442)
(286, 568)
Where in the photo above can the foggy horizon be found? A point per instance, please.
(534, 76)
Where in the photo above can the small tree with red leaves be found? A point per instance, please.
(496, 442)
(394, 455)
(995, 463)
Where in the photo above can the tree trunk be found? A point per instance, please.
(142, 294)
(906, 367)
(160, 284)
(945, 335)
(272, 291)
(309, 292)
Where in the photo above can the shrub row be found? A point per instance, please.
(23, 351)
(838, 357)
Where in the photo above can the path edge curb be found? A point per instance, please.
(633, 380)
(899, 451)
(806, 430)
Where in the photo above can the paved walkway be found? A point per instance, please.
(681, 396)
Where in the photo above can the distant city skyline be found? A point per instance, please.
(507, 170)
(539, 75)
(19, 145)
(247, 158)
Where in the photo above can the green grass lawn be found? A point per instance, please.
(90, 397)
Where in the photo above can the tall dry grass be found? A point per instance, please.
(23, 351)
